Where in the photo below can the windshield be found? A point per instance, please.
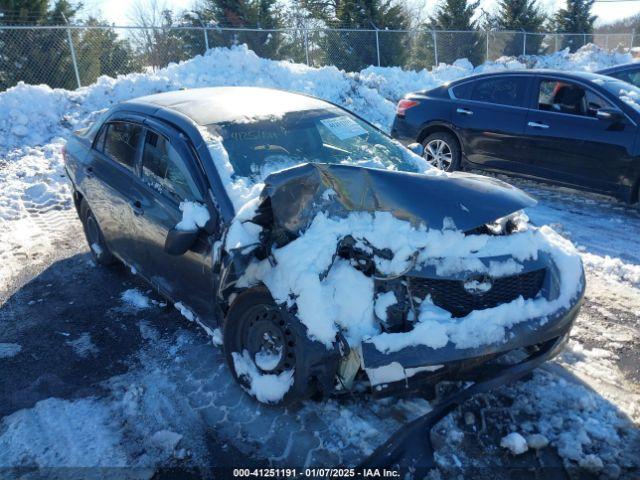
(330, 135)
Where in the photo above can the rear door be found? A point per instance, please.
(168, 177)
(108, 180)
(490, 114)
(568, 143)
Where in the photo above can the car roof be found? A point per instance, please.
(206, 106)
(621, 68)
(589, 76)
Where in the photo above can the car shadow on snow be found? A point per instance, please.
(158, 372)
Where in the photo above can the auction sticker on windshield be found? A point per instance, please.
(343, 127)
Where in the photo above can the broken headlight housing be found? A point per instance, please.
(515, 222)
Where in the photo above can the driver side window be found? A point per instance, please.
(164, 170)
(570, 98)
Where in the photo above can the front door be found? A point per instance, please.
(167, 178)
(568, 143)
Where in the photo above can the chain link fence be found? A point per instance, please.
(72, 56)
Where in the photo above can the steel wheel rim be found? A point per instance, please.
(265, 330)
(438, 153)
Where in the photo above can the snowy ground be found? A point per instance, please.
(93, 374)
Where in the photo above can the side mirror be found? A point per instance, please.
(610, 114)
(179, 241)
(416, 148)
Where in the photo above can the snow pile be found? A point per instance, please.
(584, 427)
(194, 216)
(370, 93)
(135, 298)
(515, 443)
(267, 388)
(85, 434)
(393, 82)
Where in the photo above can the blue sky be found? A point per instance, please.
(119, 11)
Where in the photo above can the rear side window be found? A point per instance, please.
(463, 91)
(121, 142)
(501, 91)
(630, 77)
(164, 170)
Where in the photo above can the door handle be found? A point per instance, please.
(538, 125)
(464, 111)
(88, 171)
(136, 206)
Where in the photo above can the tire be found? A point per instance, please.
(255, 324)
(450, 157)
(93, 234)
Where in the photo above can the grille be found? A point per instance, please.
(452, 296)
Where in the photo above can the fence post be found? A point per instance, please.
(435, 47)
(524, 42)
(306, 45)
(206, 39)
(378, 46)
(633, 37)
(487, 46)
(73, 52)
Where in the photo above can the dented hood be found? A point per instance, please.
(297, 194)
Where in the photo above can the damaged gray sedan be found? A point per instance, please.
(326, 256)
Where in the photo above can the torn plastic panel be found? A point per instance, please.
(410, 446)
(459, 200)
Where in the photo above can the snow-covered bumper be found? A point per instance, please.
(420, 363)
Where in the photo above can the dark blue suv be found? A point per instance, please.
(574, 129)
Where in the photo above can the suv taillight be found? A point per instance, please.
(404, 105)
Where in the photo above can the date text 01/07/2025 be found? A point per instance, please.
(316, 473)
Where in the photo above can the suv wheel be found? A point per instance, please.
(441, 149)
(95, 239)
(265, 349)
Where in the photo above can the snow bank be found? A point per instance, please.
(371, 93)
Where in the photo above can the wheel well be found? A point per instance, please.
(436, 128)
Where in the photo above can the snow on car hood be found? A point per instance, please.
(460, 200)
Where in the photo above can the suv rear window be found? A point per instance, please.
(501, 91)
(121, 142)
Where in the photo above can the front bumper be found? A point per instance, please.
(421, 364)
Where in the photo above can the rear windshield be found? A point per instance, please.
(322, 136)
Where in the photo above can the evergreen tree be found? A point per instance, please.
(100, 51)
(244, 14)
(457, 15)
(576, 17)
(354, 51)
(518, 15)
(36, 56)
